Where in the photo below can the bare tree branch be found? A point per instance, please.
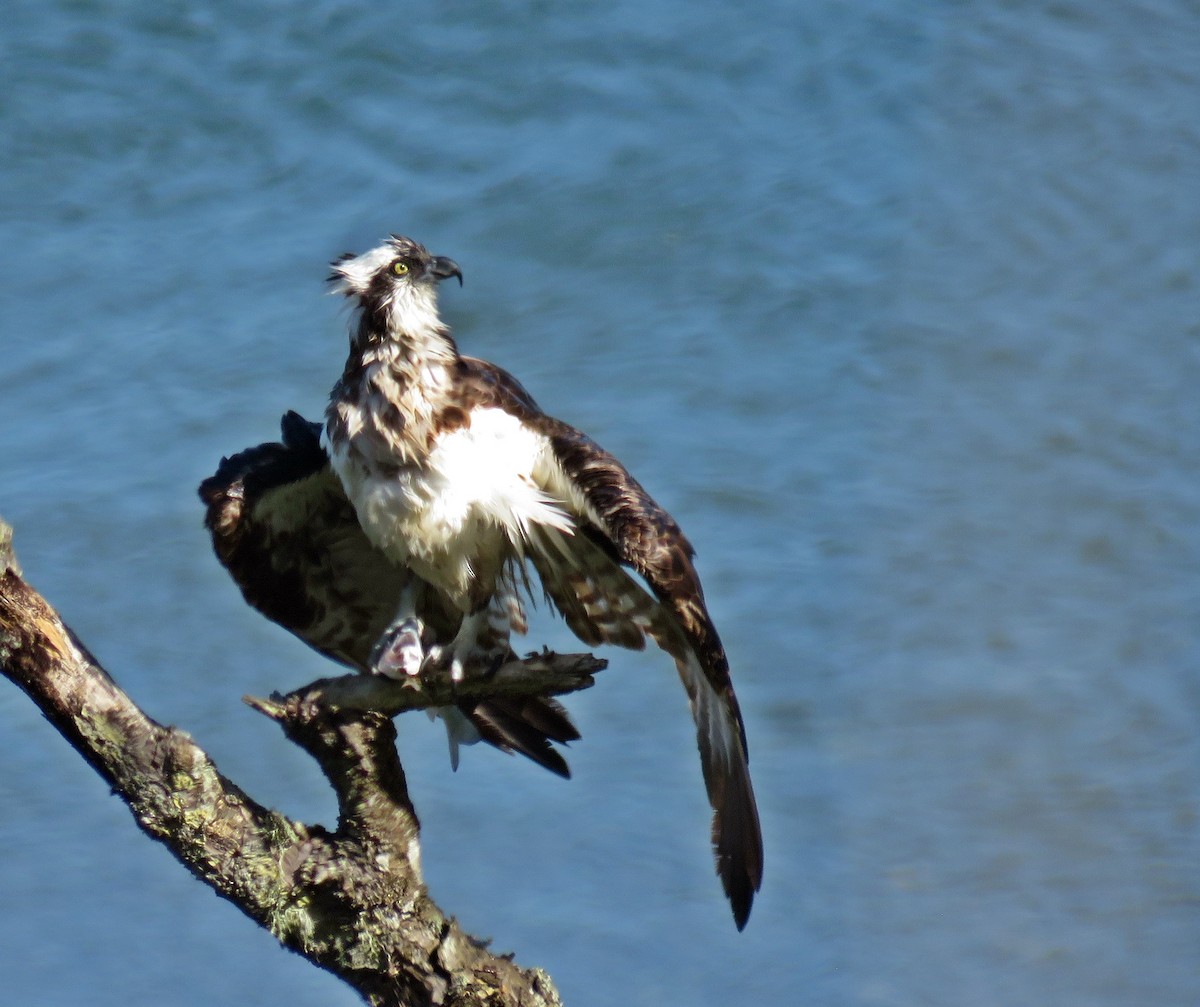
(351, 901)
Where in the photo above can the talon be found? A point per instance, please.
(398, 653)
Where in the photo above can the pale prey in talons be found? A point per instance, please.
(399, 653)
(403, 651)
(457, 475)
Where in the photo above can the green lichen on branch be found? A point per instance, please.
(351, 901)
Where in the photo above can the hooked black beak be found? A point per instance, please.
(442, 267)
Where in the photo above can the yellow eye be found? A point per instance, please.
(400, 268)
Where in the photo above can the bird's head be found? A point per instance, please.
(395, 284)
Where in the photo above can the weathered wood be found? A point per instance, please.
(352, 901)
(545, 674)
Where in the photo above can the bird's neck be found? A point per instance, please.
(405, 335)
(394, 386)
(416, 355)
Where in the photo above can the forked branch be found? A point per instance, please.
(352, 901)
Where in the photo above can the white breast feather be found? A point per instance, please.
(476, 480)
(488, 468)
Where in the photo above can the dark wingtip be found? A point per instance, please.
(737, 838)
(270, 465)
(741, 910)
(297, 431)
(740, 891)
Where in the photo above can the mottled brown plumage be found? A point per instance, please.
(282, 526)
(601, 603)
(451, 467)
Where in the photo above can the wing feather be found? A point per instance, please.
(284, 529)
(619, 525)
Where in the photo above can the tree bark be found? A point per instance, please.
(351, 901)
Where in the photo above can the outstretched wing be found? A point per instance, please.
(282, 526)
(619, 526)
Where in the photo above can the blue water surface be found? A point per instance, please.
(893, 305)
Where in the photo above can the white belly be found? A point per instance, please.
(472, 497)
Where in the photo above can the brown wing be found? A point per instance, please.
(284, 529)
(621, 526)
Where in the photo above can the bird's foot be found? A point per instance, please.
(399, 653)
(452, 657)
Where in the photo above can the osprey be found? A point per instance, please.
(456, 474)
(284, 529)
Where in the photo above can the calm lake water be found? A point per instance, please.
(893, 305)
